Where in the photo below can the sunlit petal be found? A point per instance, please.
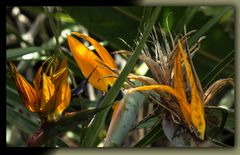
(26, 91)
(103, 53)
(197, 107)
(178, 77)
(87, 61)
(183, 103)
(47, 92)
(62, 97)
(37, 79)
(62, 94)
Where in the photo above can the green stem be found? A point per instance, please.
(99, 120)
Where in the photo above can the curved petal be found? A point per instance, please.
(26, 92)
(178, 77)
(37, 79)
(63, 97)
(103, 53)
(62, 94)
(185, 107)
(62, 87)
(47, 90)
(87, 61)
(197, 106)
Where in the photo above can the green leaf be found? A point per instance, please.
(208, 25)
(13, 100)
(228, 100)
(60, 143)
(98, 123)
(211, 76)
(21, 121)
(12, 96)
(230, 122)
(148, 123)
(126, 120)
(151, 137)
(17, 52)
(186, 18)
(147, 12)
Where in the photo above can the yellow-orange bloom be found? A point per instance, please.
(50, 94)
(193, 113)
(87, 61)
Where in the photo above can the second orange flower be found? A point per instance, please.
(103, 76)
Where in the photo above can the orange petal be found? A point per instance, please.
(64, 101)
(143, 79)
(37, 79)
(178, 77)
(63, 94)
(185, 108)
(26, 91)
(87, 61)
(59, 69)
(103, 53)
(62, 97)
(58, 74)
(197, 107)
(47, 92)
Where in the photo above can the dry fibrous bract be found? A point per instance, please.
(177, 89)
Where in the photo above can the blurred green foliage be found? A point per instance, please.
(31, 39)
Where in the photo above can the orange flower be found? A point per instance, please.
(51, 93)
(87, 61)
(193, 112)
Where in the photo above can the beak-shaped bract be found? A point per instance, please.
(51, 93)
(196, 105)
(87, 61)
(192, 113)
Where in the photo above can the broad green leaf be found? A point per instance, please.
(126, 119)
(21, 121)
(13, 98)
(17, 52)
(228, 100)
